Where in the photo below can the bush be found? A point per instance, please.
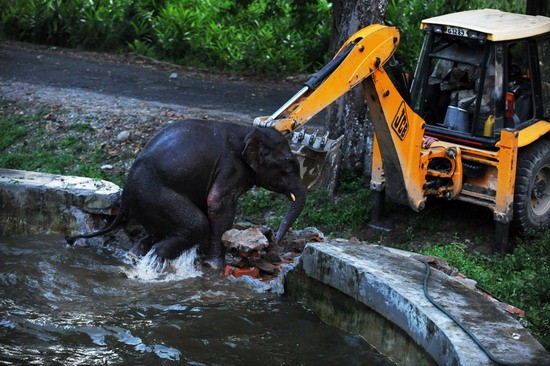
(258, 36)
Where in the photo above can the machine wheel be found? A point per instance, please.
(532, 191)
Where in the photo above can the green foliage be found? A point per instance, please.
(342, 213)
(98, 24)
(287, 36)
(263, 36)
(521, 278)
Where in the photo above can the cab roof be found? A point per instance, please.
(498, 25)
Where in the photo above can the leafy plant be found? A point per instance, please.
(288, 36)
(342, 213)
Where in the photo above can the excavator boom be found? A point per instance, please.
(357, 59)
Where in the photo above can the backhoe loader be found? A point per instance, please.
(473, 125)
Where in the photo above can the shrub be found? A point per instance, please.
(288, 36)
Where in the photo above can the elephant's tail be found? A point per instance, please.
(120, 219)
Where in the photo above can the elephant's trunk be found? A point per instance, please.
(298, 198)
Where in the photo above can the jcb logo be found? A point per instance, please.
(400, 123)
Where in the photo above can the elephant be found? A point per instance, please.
(184, 186)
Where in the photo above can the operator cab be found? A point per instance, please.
(481, 71)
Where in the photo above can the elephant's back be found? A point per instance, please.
(196, 137)
(185, 155)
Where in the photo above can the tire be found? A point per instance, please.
(532, 191)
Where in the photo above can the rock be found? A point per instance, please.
(264, 266)
(245, 240)
(123, 136)
(240, 272)
(310, 234)
(272, 257)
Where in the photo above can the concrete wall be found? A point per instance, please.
(40, 203)
(391, 284)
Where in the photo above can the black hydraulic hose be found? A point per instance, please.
(457, 322)
(322, 74)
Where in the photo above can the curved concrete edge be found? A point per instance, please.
(391, 283)
(41, 203)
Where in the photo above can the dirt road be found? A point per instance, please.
(71, 78)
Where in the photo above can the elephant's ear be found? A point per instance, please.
(253, 149)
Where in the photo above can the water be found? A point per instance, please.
(90, 306)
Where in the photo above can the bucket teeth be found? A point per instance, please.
(317, 156)
(315, 140)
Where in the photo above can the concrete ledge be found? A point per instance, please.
(40, 203)
(390, 283)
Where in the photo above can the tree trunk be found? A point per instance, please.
(348, 115)
(537, 7)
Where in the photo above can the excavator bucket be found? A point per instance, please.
(317, 155)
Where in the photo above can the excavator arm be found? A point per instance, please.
(360, 56)
(397, 127)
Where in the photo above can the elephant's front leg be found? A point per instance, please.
(221, 213)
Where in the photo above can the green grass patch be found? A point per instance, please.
(521, 278)
(27, 144)
(341, 214)
(13, 129)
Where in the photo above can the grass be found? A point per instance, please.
(28, 142)
(342, 215)
(521, 278)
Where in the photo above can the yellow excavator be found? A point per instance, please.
(472, 125)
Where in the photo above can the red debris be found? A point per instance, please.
(239, 272)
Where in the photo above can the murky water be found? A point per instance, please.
(90, 305)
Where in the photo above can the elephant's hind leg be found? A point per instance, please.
(142, 247)
(174, 221)
(171, 248)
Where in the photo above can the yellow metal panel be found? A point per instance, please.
(400, 132)
(506, 179)
(533, 133)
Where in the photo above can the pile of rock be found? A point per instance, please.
(252, 252)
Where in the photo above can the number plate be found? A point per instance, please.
(455, 31)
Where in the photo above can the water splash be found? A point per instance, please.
(151, 268)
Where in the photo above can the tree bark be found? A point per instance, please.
(348, 115)
(537, 7)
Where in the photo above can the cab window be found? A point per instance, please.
(544, 68)
(519, 86)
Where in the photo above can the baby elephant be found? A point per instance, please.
(184, 186)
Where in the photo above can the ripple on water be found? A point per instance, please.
(92, 306)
